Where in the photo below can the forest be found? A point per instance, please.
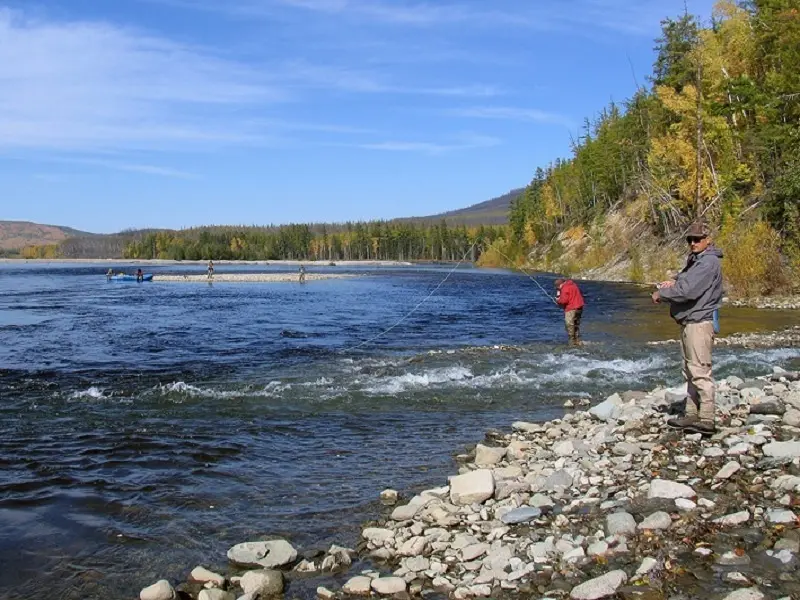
(715, 136)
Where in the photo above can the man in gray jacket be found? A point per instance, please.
(693, 297)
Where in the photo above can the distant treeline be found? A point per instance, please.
(375, 240)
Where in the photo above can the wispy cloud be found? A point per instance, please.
(582, 17)
(509, 113)
(94, 86)
(467, 142)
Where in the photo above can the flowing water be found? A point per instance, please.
(148, 427)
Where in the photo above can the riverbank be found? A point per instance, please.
(787, 338)
(606, 502)
(249, 278)
(203, 263)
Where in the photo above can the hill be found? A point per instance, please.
(18, 234)
(489, 212)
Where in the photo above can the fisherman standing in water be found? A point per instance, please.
(302, 274)
(569, 297)
(211, 269)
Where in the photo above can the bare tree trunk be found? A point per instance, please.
(698, 194)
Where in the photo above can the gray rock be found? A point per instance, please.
(656, 521)
(728, 470)
(734, 382)
(377, 535)
(521, 515)
(624, 448)
(558, 479)
(474, 551)
(541, 501)
(745, 594)
(787, 544)
(605, 409)
(268, 554)
(265, 582)
(389, 497)
(473, 487)
(324, 593)
(780, 516)
(203, 575)
(599, 548)
(733, 519)
(620, 523)
(782, 449)
(751, 394)
(358, 586)
(386, 586)
(784, 557)
(792, 417)
(215, 594)
(664, 488)
(486, 456)
(409, 511)
(599, 587)
(733, 559)
(160, 590)
(768, 406)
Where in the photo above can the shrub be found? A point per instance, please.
(752, 262)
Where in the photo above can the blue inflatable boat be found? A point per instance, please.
(146, 277)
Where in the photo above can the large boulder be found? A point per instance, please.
(473, 487)
(264, 583)
(599, 587)
(267, 554)
(160, 590)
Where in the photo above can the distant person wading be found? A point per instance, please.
(693, 297)
(211, 269)
(569, 297)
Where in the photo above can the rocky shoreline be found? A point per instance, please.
(602, 503)
(788, 338)
(769, 302)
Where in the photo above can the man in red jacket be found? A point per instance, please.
(569, 297)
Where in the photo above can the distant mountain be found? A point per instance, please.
(18, 234)
(489, 212)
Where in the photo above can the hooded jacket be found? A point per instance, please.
(569, 296)
(697, 292)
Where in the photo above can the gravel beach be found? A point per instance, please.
(607, 502)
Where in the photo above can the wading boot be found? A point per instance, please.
(683, 422)
(702, 427)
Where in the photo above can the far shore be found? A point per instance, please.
(158, 261)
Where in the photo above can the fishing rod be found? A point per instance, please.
(531, 277)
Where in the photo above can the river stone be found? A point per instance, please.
(782, 449)
(664, 488)
(780, 516)
(324, 593)
(728, 470)
(658, 520)
(541, 501)
(684, 504)
(745, 594)
(787, 544)
(473, 551)
(599, 587)
(605, 410)
(564, 448)
(215, 594)
(387, 586)
(599, 548)
(203, 575)
(268, 554)
(738, 518)
(408, 511)
(792, 417)
(624, 448)
(160, 590)
(751, 394)
(521, 515)
(768, 406)
(560, 478)
(377, 535)
(265, 582)
(620, 523)
(486, 456)
(473, 487)
(389, 497)
(358, 586)
(648, 563)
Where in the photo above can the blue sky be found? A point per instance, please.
(174, 113)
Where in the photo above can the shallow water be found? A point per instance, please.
(148, 427)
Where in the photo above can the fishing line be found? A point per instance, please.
(413, 310)
(531, 277)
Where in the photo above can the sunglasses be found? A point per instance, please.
(694, 240)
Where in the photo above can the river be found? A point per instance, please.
(148, 427)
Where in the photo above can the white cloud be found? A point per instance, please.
(97, 87)
(468, 142)
(531, 115)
